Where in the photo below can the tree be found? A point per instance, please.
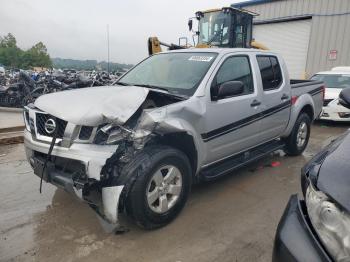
(8, 41)
(9, 52)
(38, 56)
(13, 56)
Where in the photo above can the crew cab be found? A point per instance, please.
(174, 119)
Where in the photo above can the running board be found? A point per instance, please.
(225, 166)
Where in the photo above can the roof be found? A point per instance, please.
(333, 73)
(251, 2)
(341, 68)
(218, 50)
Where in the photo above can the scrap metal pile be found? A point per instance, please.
(20, 88)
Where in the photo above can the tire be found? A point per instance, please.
(297, 141)
(174, 168)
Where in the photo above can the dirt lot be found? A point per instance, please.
(232, 219)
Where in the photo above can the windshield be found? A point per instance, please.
(334, 81)
(214, 28)
(178, 73)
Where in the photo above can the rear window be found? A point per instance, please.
(270, 70)
(333, 81)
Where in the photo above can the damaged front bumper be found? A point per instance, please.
(77, 170)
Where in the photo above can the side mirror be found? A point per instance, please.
(344, 97)
(190, 24)
(228, 89)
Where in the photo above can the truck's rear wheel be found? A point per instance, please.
(160, 190)
(297, 141)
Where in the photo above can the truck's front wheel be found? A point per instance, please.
(297, 141)
(160, 190)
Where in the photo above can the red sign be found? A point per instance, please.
(333, 55)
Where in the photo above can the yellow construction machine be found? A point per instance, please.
(225, 27)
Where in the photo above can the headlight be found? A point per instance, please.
(26, 119)
(330, 222)
(110, 134)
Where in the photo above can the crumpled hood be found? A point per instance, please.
(95, 105)
(334, 175)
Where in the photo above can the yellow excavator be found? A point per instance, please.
(225, 27)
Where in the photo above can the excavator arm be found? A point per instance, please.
(154, 46)
(258, 45)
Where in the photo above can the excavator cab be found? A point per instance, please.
(226, 27)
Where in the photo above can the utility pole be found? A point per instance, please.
(108, 48)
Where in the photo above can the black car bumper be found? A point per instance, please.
(295, 240)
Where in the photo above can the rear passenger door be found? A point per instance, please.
(232, 123)
(276, 97)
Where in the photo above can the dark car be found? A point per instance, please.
(317, 228)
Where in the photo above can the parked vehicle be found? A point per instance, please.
(318, 227)
(174, 119)
(335, 80)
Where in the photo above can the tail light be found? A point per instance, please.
(294, 99)
(323, 91)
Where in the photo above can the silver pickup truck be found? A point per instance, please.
(174, 119)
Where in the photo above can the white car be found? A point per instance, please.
(336, 80)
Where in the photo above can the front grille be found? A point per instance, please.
(326, 102)
(31, 124)
(40, 125)
(85, 132)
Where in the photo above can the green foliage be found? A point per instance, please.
(88, 65)
(14, 57)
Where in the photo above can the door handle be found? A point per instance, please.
(284, 97)
(255, 103)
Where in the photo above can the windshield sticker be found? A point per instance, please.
(201, 58)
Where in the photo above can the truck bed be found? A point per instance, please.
(311, 87)
(296, 83)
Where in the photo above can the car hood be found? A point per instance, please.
(334, 176)
(332, 93)
(95, 105)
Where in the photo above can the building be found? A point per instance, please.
(312, 35)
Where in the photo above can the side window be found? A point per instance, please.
(277, 71)
(236, 68)
(270, 71)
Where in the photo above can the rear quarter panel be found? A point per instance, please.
(308, 94)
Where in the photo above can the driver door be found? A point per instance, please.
(233, 122)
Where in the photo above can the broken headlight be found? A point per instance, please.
(331, 223)
(110, 134)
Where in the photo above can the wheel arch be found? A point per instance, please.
(304, 104)
(179, 140)
(308, 109)
(183, 142)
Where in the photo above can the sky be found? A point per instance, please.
(78, 29)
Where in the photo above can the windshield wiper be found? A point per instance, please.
(122, 84)
(151, 86)
(182, 97)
